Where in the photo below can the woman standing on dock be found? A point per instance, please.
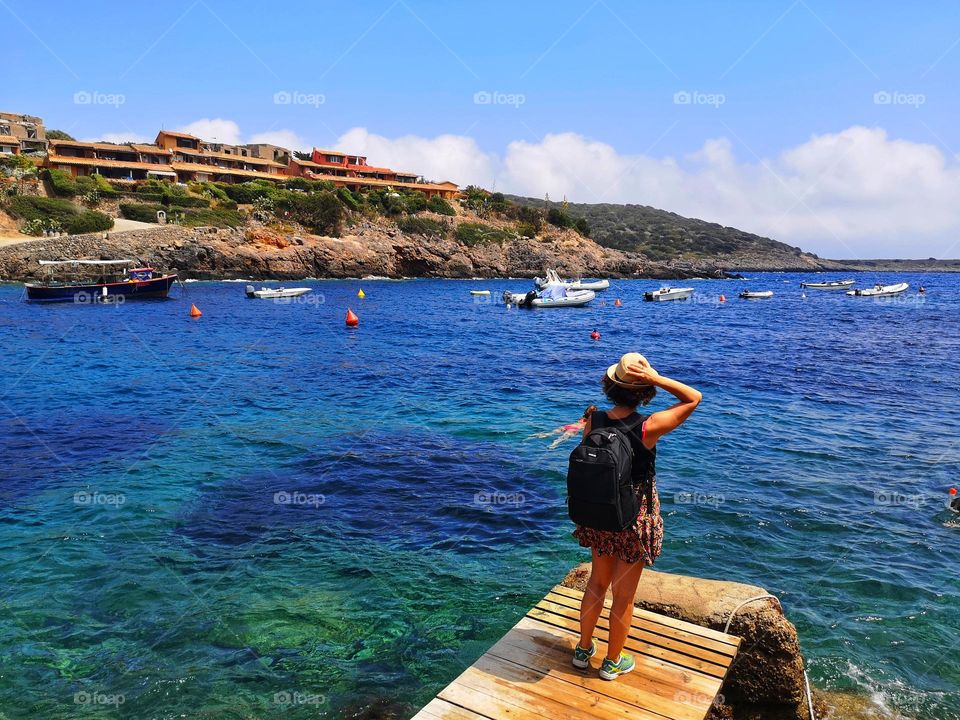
(620, 556)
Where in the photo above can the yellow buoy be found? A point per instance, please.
(361, 294)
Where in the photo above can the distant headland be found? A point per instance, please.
(215, 210)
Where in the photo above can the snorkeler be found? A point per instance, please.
(568, 431)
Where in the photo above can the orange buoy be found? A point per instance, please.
(595, 335)
(723, 298)
(617, 302)
(953, 491)
(352, 319)
(195, 311)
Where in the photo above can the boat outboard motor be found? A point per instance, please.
(528, 299)
(249, 290)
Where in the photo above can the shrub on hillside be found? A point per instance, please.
(141, 212)
(415, 202)
(348, 198)
(188, 201)
(31, 207)
(319, 211)
(246, 193)
(438, 205)
(88, 221)
(559, 218)
(216, 217)
(479, 234)
(61, 183)
(422, 226)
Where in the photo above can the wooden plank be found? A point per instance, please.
(528, 675)
(548, 650)
(678, 628)
(677, 645)
(438, 709)
(634, 644)
(670, 622)
(539, 693)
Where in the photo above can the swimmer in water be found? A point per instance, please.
(568, 431)
(955, 504)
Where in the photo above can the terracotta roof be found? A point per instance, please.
(150, 149)
(9, 139)
(63, 160)
(309, 163)
(217, 170)
(173, 133)
(389, 183)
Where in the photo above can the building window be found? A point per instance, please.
(335, 159)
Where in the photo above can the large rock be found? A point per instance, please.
(766, 679)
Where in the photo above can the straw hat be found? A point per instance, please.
(618, 371)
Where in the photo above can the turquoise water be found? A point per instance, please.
(260, 513)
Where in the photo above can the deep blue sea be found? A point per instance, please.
(261, 513)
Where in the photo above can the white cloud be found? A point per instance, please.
(855, 193)
(216, 129)
(445, 157)
(284, 138)
(122, 137)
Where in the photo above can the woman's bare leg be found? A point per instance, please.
(626, 576)
(601, 574)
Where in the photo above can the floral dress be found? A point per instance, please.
(643, 540)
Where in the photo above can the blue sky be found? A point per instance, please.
(578, 92)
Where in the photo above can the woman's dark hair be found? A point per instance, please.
(620, 395)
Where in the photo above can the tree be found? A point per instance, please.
(59, 135)
(302, 155)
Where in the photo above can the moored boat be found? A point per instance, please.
(552, 278)
(479, 292)
(756, 294)
(828, 285)
(109, 284)
(266, 293)
(668, 293)
(879, 290)
(572, 298)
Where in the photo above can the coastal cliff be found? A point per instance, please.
(369, 247)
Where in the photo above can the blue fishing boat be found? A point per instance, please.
(105, 281)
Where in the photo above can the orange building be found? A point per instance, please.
(353, 172)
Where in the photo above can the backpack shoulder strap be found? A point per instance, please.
(625, 426)
(599, 419)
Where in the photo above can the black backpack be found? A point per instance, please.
(600, 490)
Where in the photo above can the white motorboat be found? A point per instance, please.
(571, 298)
(479, 292)
(828, 285)
(880, 290)
(756, 294)
(668, 293)
(553, 278)
(265, 293)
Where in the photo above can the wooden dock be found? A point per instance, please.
(527, 674)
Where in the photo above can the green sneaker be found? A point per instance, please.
(581, 657)
(611, 670)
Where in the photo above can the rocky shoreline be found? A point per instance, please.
(372, 248)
